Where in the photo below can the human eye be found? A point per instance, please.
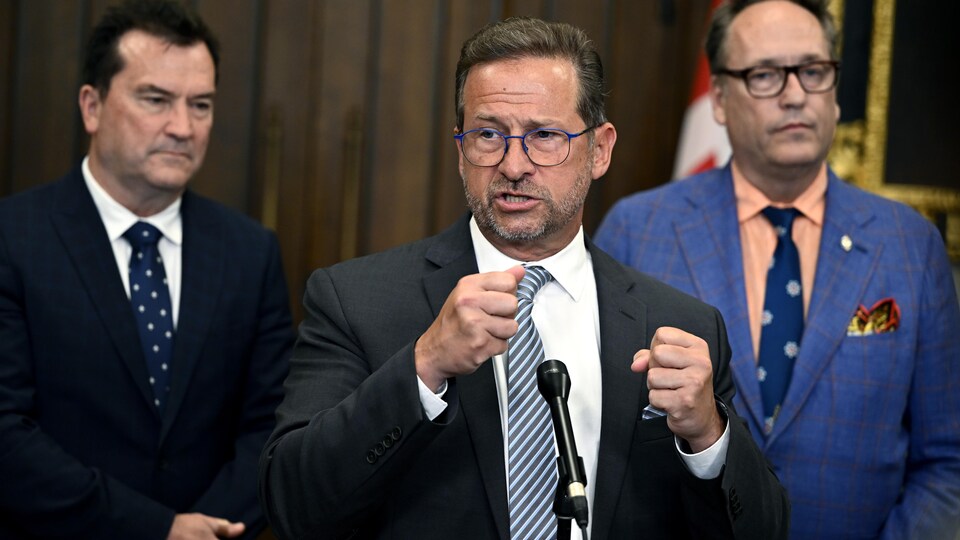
(815, 71)
(154, 99)
(485, 140)
(487, 134)
(763, 74)
(202, 107)
(545, 137)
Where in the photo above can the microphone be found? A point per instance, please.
(553, 381)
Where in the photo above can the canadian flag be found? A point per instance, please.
(703, 142)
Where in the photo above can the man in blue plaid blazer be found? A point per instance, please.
(867, 441)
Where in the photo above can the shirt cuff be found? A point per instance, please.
(707, 464)
(433, 403)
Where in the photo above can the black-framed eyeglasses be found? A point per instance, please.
(546, 147)
(769, 81)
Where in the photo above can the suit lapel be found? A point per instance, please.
(839, 284)
(454, 256)
(709, 239)
(85, 241)
(622, 333)
(203, 259)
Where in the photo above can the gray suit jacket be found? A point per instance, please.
(353, 453)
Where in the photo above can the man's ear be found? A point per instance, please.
(456, 144)
(718, 100)
(91, 105)
(604, 138)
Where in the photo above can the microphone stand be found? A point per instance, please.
(570, 501)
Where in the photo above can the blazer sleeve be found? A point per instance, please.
(929, 504)
(346, 428)
(46, 492)
(233, 493)
(746, 500)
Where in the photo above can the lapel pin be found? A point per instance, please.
(846, 243)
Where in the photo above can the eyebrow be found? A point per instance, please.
(772, 62)
(501, 126)
(154, 89)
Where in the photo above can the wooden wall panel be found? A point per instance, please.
(45, 116)
(334, 118)
(403, 144)
(446, 200)
(333, 192)
(284, 116)
(227, 173)
(8, 30)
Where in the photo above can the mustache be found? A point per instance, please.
(524, 186)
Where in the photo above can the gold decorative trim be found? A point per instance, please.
(860, 148)
(878, 94)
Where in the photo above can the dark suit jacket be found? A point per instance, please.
(868, 440)
(354, 454)
(83, 452)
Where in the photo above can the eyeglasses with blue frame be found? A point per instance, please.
(546, 147)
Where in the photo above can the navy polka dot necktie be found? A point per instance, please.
(782, 319)
(150, 299)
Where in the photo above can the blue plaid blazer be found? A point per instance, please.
(868, 442)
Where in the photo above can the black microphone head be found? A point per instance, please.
(553, 380)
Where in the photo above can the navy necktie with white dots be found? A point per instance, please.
(150, 299)
(782, 319)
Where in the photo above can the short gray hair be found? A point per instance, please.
(522, 37)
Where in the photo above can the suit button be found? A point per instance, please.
(379, 449)
(371, 457)
(396, 433)
(735, 507)
(387, 441)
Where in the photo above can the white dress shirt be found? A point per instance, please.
(117, 219)
(574, 339)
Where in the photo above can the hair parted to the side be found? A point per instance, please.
(168, 20)
(725, 13)
(524, 37)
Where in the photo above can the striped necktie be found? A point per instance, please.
(533, 472)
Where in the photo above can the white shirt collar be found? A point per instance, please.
(117, 218)
(568, 267)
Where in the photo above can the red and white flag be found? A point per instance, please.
(703, 142)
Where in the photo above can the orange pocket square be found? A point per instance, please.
(883, 317)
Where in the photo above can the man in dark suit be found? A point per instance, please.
(866, 438)
(112, 426)
(398, 419)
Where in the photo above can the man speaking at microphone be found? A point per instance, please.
(411, 408)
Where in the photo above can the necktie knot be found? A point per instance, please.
(533, 280)
(142, 234)
(781, 218)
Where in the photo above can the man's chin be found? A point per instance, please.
(797, 157)
(518, 230)
(170, 180)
